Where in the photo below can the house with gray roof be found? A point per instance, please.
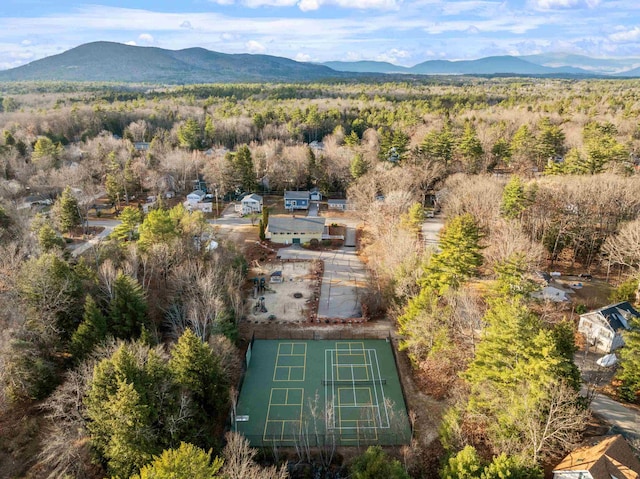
(603, 327)
(297, 200)
(294, 229)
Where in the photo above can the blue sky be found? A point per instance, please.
(405, 32)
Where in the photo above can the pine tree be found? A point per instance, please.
(45, 148)
(189, 134)
(470, 147)
(413, 219)
(196, 369)
(185, 462)
(466, 464)
(127, 309)
(92, 330)
(514, 199)
(48, 239)
(67, 210)
(130, 218)
(459, 255)
(358, 166)
(629, 371)
(157, 227)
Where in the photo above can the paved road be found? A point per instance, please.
(108, 226)
(624, 420)
(344, 276)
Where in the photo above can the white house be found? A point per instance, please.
(251, 204)
(603, 327)
(604, 457)
(342, 205)
(196, 197)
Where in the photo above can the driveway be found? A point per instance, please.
(624, 420)
(344, 277)
(431, 229)
(314, 207)
(108, 226)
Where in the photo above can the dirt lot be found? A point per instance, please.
(288, 301)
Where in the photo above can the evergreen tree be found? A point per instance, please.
(358, 166)
(413, 219)
(375, 464)
(127, 309)
(67, 210)
(466, 464)
(629, 371)
(45, 148)
(439, 145)
(190, 135)
(196, 369)
(92, 330)
(49, 240)
(185, 462)
(129, 446)
(209, 130)
(470, 148)
(514, 198)
(130, 218)
(157, 227)
(504, 467)
(501, 152)
(459, 255)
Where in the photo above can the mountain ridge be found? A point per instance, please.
(116, 62)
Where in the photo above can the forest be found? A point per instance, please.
(123, 362)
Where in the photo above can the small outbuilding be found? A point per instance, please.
(338, 204)
(294, 229)
(196, 196)
(603, 327)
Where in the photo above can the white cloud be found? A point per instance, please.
(146, 38)
(186, 24)
(393, 56)
(131, 43)
(626, 36)
(26, 43)
(563, 4)
(309, 5)
(302, 57)
(473, 30)
(255, 47)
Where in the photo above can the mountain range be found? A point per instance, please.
(108, 61)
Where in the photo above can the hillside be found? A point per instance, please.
(107, 61)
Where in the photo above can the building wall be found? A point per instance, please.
(288, 238)
(299, 204)
(572, 475)
(597, 335)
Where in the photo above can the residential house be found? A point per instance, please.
(294, 229)
(195, 197)
(297, 200)
(315, 194)
(604, 457)
(141, 145)
(342, 205)
(603, 327)
(251, 204)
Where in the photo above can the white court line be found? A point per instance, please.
(375, 387)
(384, 401)
(353, 382)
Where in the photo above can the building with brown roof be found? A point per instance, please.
(605, 457)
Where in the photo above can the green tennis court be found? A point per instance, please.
(343, 392)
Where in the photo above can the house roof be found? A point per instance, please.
(604, 457)
(253, 197)
(337, 202)
(199, 193)
(296, 195)
(295, 224)
(617, 315)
